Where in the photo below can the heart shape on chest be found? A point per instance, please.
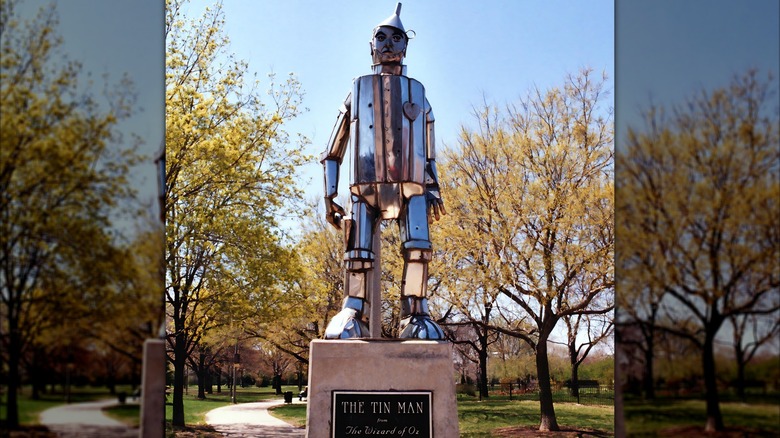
(412, 110)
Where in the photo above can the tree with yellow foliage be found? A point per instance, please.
(62, 173)
(699, 202)
(531, 224)
(229, 173)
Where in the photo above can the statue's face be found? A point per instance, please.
(388, 45)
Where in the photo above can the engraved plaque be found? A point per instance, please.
(375, 413)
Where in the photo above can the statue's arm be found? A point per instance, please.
(433, 193)
(331, 160)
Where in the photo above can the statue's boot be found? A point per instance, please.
(416, 322)
(348, 323)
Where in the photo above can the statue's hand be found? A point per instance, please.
(435, 203)
(333, 213)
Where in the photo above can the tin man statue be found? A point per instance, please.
(389, 124)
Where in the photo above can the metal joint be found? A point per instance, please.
(417, 255)
(354, 303)
(414, 306)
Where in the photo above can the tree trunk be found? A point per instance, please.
(179, 356)
(740, 383)
(548, 421)
(483, 375)
(111, 378)
(38, 383)
(209, 381)
(278, 384)
(482, 333)
(14, 349)
(619, 384)
(111, 385)
(648, 380)
(200, 372)
(575, 382)
(714, 417)
(135, 374)
(219, 379)
(36, 388)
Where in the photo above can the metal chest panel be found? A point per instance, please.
(417, 158)
(388, 130)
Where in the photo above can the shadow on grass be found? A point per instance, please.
(27, 432)
(530, 431)
(674, 417)
(195, 431)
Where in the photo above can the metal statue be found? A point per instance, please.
(389, 124)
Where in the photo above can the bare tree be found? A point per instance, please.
(597, 330)
(750, 333)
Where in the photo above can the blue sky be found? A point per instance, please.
(668, 49)
(462, 51)
(116, 38)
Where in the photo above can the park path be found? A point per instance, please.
(250, 420)
(85, 420)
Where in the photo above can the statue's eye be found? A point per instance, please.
(396, 38)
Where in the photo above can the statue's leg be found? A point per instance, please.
(350, 322)
(416, 248)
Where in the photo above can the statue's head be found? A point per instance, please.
(389, 40)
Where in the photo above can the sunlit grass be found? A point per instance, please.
(480, 419)
(294, 414)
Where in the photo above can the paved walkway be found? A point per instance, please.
(245, 420)
(85, 420)
(249, 420)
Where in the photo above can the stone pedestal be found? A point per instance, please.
(381, 387)
(153, 389)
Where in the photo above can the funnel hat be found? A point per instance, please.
(393, 20)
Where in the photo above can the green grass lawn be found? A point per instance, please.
(294, 414)
(481, 419)
(129, 414)
(195, 410)
(661, 417)
(30, 409)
